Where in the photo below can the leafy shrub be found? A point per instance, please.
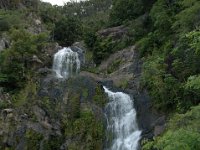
(183, 133)
(33, 139)
(125, 9)
(90, 38)
(67, 31)
(9, 19)
(15, 61)
(188, 18)
(86, 128)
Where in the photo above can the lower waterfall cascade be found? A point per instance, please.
(66, 63)
(121, 121)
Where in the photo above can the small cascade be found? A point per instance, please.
(122, 126)
(66, 63)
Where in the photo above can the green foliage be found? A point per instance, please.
(161, 14)
(10, 19)
(192, 88)
(139, 27)
(74, 102)
(125, 10)
(146, 44)
(90, 38)
(104, 47)
(87, 129)
(86, 9)
(193, 83)
(33, 139)
(186, 56)
(15, 61)
(26, 95)
(163, 87)
(171, 54)
(183, 133)
(67, 31)
(49, 14)
(15, 4)
(99, 97)
(188, 18)
(193, 39)
(53, 142)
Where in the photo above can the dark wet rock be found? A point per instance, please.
(115, 32)
(80, 45)
(44, 71)
(81, 52)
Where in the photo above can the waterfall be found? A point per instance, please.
(121, 122)
(66, 63)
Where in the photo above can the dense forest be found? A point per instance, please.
(165, 33)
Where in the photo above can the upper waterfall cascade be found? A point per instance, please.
(121, 122)
(66, 63)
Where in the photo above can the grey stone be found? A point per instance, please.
(114, 32)
(158, 130)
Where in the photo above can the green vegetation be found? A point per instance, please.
(171, 56)
(25, 95)
(9, 20)
(33, 139)
(166, 33)
(167, 36)
(125, 10)
(53, 142)
(16, 61)
(87, 129)
(67, 31)
(103, 47)
(99, 97)
(182, 133)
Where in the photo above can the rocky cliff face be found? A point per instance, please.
(54, 114)
(50, 113)
(122, 72)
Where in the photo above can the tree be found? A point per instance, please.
(182, 133)
(124, 10)
(15, 61)
(67, 31)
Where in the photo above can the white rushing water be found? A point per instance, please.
(121, 121)
(66, 63)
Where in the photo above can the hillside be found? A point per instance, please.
(100, 74)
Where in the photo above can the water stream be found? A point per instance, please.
(121, 122)
(120, 112)
(66, 63)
